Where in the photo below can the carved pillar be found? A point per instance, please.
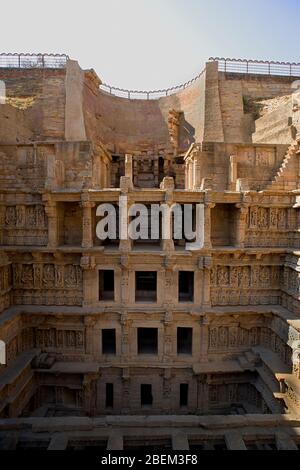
(207, 265)
(126, 337)
(168, 336)
(169, 293)
(129, 167)
(168, 185)
(167, 404)
(204, 338)
(126, 391)
(155, 171)
(186, 175)
(102, 173)
(241, 225)
(50, 182)
(202, 395)
(233, 173)
(90, 393)
(125, 243)
(89, 334)
(190, 175)
(51, 211)
(197, 171)
(207, 225)
(168, 243)
(87, 235)
(90, 281)
(2, 223)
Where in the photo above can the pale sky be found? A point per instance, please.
(148, 44)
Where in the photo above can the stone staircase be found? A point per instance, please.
(286, 177)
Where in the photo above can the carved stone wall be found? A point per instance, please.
(270, 226)
(245, 285)
(47, 284)
(24, 225)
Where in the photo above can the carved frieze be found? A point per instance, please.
(244, 285)
(25, 225)
(49, 284)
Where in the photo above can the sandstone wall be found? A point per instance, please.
(235, 89)
(35, 105)
(131, 125)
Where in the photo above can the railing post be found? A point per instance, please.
(19, 60)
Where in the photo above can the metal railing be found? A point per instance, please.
(261, 67)
(33, 61)
(150, 94)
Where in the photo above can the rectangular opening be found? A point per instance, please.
(184, 340)
(147, 340)
(109, 341)
(184, 394)
(146, 286)
(70, 220)
(146, 395)
(106, 285)
(224, 224)
(186, 286)
(109, 396)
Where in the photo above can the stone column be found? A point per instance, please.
(234, 441)
(170, 292)
(207, 225)
(186, 175)
(155, 170)
(126, 405)
(51, 211)
(233, 173)
(168, 336)
(128, 167)
(102, 173)
(89, 323)
(241, 225)
(125, 245)
(190, 173)
(207, 264)
(87, 235)
(202, 394)
(197, 171)
(50, 182)
(168, 243)
(89, 393)
(125, 347)
(198, 282)
(2, 223)
(167, 405)
(168, 185)
(204, 338)
(90, 281)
